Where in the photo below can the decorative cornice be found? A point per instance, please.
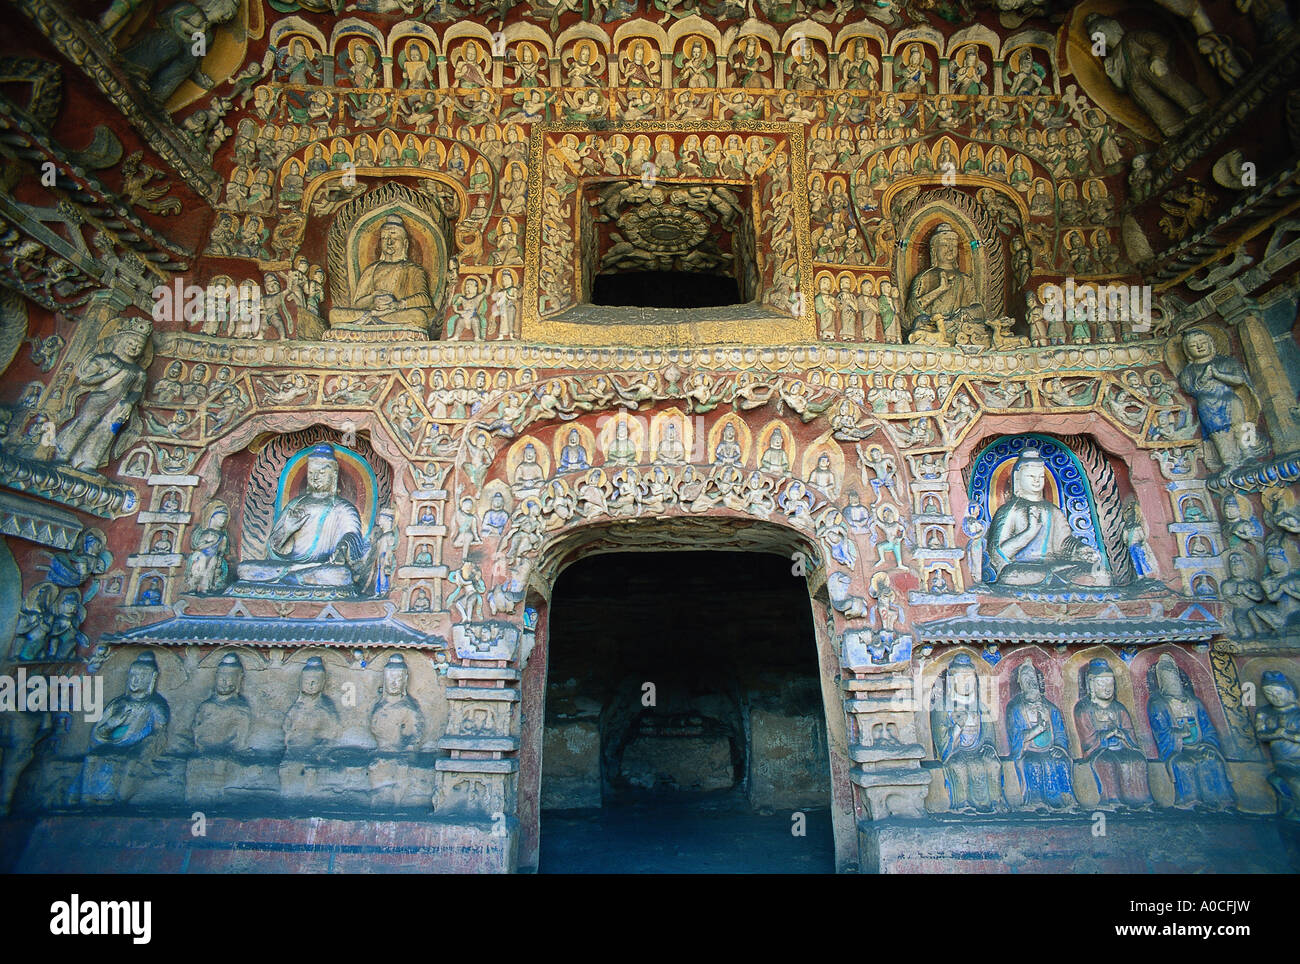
(37, 522)
(86, 491)
(184, 629)
(1280, 471)
(849, 357)
(982, 630)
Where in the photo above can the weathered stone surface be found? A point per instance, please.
(931, 309)
(125, 844)
(1131, 844)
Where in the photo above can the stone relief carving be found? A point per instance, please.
(1277, 727)
(1139, 62)
(1108, 741)
(126, 741)
(393, 285)
(113, 383)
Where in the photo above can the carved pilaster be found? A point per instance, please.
(1272, 386)
(478, 780)
(1228, 684)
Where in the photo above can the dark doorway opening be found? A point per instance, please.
(664, 289)
(684, 727)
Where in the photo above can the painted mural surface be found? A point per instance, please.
(310, 395)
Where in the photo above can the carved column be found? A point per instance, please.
(477, 781)
(1277, 396)
(886, 748)
(1227, 682)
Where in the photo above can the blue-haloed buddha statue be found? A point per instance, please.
(1030, 542)
(316, 539)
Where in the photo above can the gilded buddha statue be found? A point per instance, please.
(392, 295)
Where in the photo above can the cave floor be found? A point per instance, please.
(680, 833)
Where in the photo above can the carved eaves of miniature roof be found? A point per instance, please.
(183, 630)
(1005, 629)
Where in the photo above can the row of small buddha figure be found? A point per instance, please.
(1186, 740)
(133, 730)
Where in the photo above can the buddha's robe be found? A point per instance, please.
(405, 281)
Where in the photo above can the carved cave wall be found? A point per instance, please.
(837, 151)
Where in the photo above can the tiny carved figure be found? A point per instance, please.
(823, 476)
(207, 569)
(573, 457)
(973, 526)
(496, 517)
(469, 588)
(35, 620)
(912, 73)
(728, 449)
(65, 628)
(1251, 615)
(888, 533)
(1138, 540)
(671, 450)
(622, 450)
(383, 553)
(775, 460)
(1240, 525)
(467, 530)
(528, 476)
(165, 55)
(856, 515)
(87, 557)
(1282, 586)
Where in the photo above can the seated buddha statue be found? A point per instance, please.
(316, 539)
(962, 728)
(942, 289)
(775, 459)
(128, 737)
(392, 295)
(396, 721)
(138, 714)
(1030, 542)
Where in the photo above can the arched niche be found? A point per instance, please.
(980, 251)
(1067, 486)
(354, 241)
